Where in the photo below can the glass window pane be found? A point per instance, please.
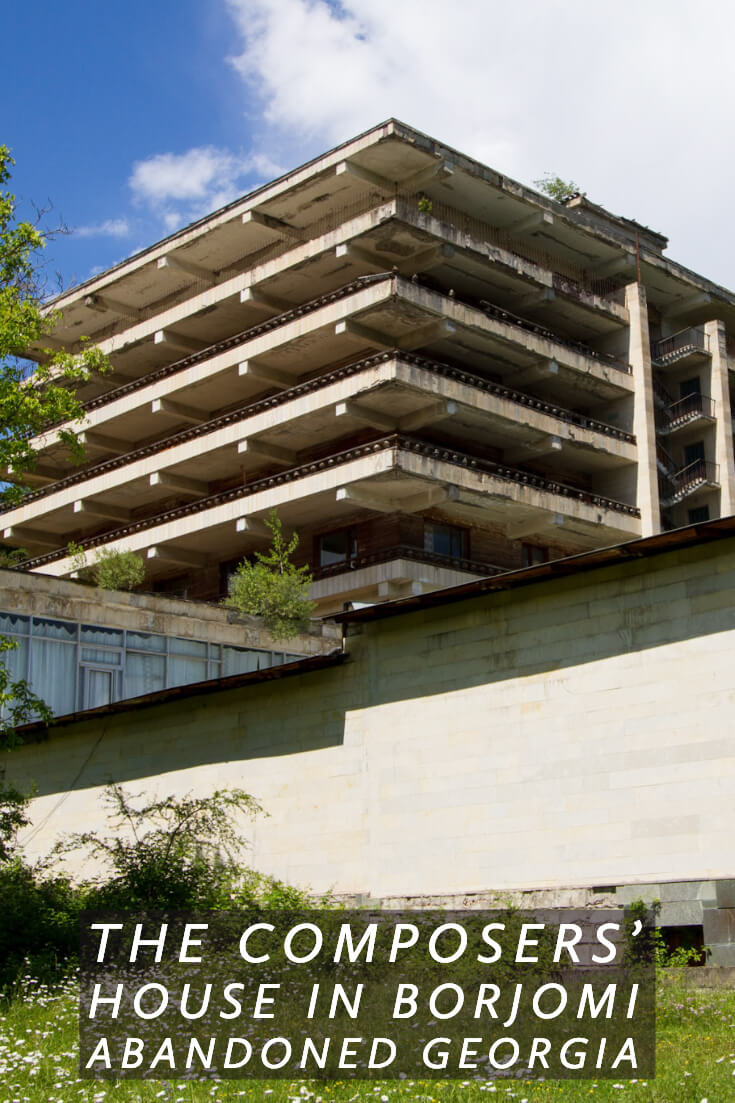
(16, 660)
(9, 622)
(187, 647)
(336, 547)
(55, 629)
(93, 634)
(182, 671)
(101, 655)
(144, 674)
(146, 641)
(98, 688)
(53, 674)
(241, 660)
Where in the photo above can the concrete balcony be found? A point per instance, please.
(396, 474)
(688, 347)
(381, 311)
(388, 392)
(461, 252)
(393, 572)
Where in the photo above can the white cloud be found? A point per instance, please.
(180, 187)
(631, 100)
(111, 227)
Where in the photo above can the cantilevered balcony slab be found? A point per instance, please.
(396, 470)
(474, 257)
(386, 392)
(386, 161)
(392, 573)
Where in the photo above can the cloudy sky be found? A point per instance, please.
(134, 118)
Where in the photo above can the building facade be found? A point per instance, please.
(558, 735)
(431, 372)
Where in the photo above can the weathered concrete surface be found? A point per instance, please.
(41, 595)
(576, 732)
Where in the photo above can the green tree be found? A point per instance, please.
(556, 188)
(32, 397)
(272, 587)
(118, 570)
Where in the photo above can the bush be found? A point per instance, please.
(39, 913)
(118, 570)
(272, 587)
(173, 853)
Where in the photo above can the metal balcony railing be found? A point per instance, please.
(412, 552)
(685, 411)
(679, 345)
(690, 478)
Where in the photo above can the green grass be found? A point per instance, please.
(695, 1062)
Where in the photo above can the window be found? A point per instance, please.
(693, 452)
(533, 554)
(689, 387)
(699, 513)
(82, 666)
(445, 540)
(337, 547)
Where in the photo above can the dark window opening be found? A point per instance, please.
(336, 547)
(700, 513)
(172, 587)
(688, 938)
(533, 554)
(445, 540)
(693, 452)
(688, 387)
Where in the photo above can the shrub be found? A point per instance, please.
(118, 570)
(556, 188)
(173, 852)
(39, 913)
(272, 587)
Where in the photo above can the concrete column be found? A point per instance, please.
(720, 391)
(644, 424)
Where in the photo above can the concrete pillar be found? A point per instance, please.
(644, 424)
(720, 392)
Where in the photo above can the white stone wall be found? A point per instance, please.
(572, 732)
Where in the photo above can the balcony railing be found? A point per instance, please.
(689, 408)
(679, 345)
(250, 409)
(684, 482)
(394, 441)
(409, 551)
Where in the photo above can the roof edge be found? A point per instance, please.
(705, 532)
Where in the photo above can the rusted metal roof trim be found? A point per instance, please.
(194, 689)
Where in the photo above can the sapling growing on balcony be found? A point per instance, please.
(272, 587)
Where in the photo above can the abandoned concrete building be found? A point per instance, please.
(432, 373)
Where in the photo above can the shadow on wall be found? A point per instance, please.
(552, 626)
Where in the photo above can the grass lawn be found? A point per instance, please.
(695, 1061)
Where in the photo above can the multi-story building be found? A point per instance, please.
(429, 371)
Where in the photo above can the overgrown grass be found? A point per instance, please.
(38, 1064)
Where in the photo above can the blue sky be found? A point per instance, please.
(134, 118)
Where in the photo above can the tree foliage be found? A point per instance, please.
(118, 570)
(172, 852)
(31, 397)
(272, 587)
(556, 188)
